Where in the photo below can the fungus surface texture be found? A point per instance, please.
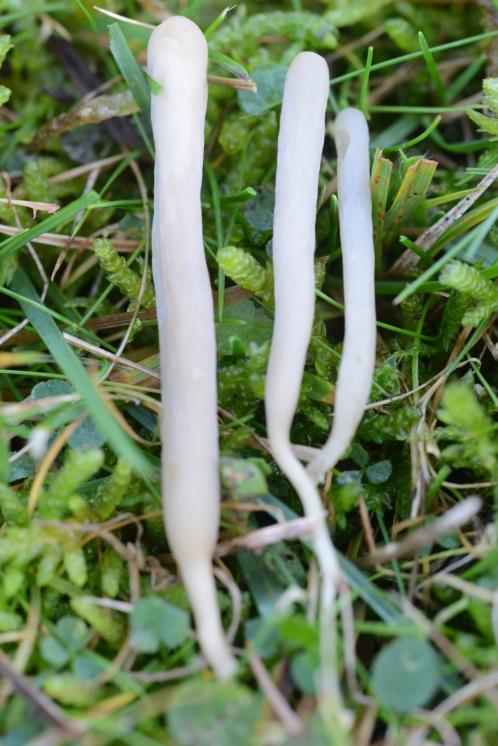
(358, 260)
(300, 144)
(177, 60)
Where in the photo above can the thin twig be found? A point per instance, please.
(237, 83)
(48, 710)
(289, 719)
(124, 19)
(35, 206)
(75, 173)
(256, 540)
(455, 517)
(409, 259)
(74, 242)
(225, 577)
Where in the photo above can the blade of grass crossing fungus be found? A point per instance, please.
(215, 197)
(129, 69)
(136, 80)
(72, 367)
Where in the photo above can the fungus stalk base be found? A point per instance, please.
(330, 575)
(201, 588)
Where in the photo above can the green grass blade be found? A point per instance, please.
(471, 146)
(412, 191)
(365, 78)
(58, 219)
(229, 64)
(419, 138)
(396, 61)
(218, 21)
(466, 222)
(471, 240)
(129, 69)
(215, 197)
(72, 367)
(192, 9)
(380, 180)
(465, 77)
(432, 68)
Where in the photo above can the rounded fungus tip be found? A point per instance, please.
(179, 36)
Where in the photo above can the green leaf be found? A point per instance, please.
(22, 467)
(239, 325)
(379, 472)
(349, 12)
(129, 68)
(406, 674)
(86, 436)
(263, 584)
(5, 94)
(54, 652)
(67, 689)
(270, 81)
(298, 631)
(73, 633)
(154, 621)
(52, 387)
(490, 90)
(412, 191)
(5, 46)
(242, 478)
(258, 216)
(72, 367)
(70, 636)
(153, 86)
(303, 671)
(75, 565)
(214, 713)
(229, 64)
(485, 124)
(380, 181)
(262, 636)
(402, 33)
(217, 21)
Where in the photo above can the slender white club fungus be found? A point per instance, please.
(358, 358)
(300, 144)
(177, 60)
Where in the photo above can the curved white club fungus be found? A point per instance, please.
(177, 60)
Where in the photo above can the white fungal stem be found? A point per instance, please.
(300, 144)
(177, 60)
(358, 358)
